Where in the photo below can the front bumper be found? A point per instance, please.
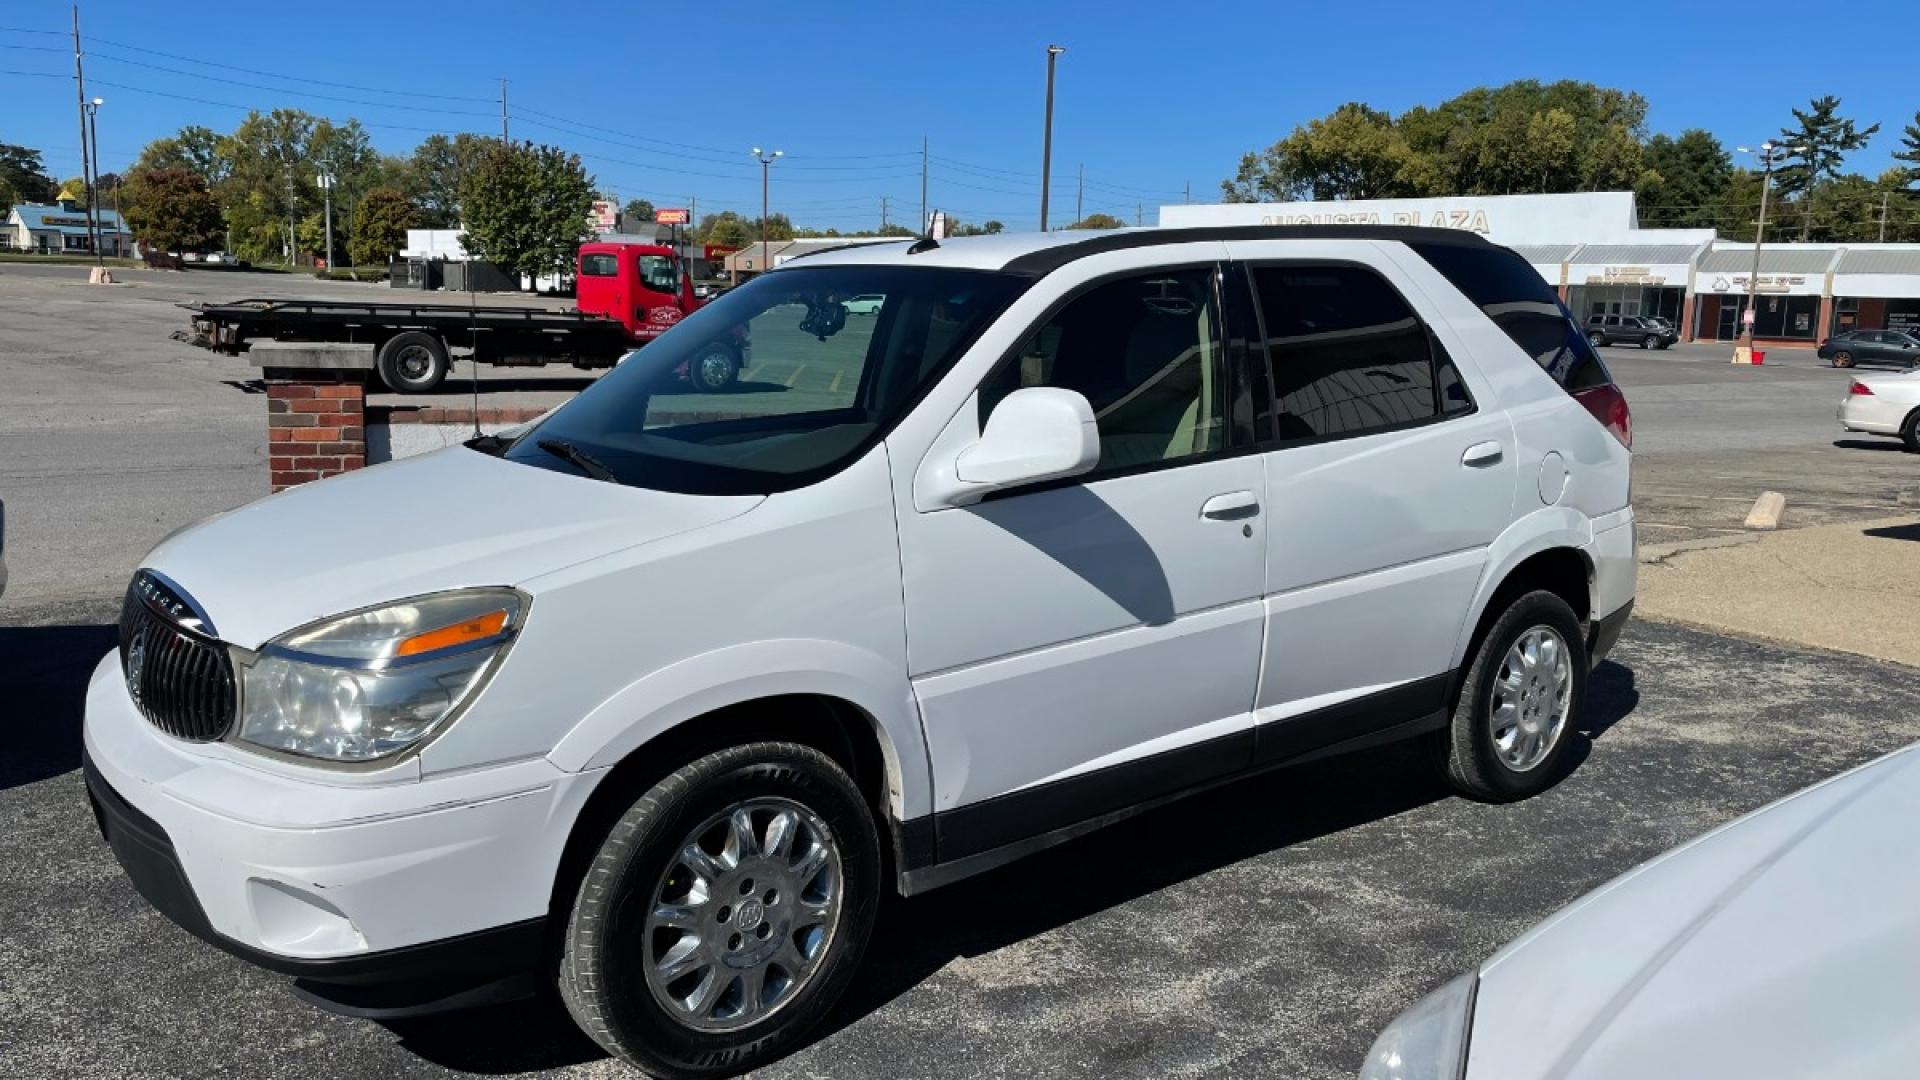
(381, 899)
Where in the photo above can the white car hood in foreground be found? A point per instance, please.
(450, 519)
(1784, 945)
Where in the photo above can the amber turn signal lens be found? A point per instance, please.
(459, 633)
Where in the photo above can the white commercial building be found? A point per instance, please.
(1591, 247)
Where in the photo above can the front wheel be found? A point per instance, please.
(1597, 340)
(1843, 358)
(1521, 699)
(715, 369)
(1651, 341)
(725, 912)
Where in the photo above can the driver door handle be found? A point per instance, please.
(1481, 455)
(1232, 506)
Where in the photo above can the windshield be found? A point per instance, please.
(811, 390)
(658, 273)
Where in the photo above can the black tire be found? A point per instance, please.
(602, 977)
(1910, 432)
(1843, 358)
(1650, 342)
(716, 369)
(413, 362)
(1469, 757)
(1597, 339)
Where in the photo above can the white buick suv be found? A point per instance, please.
(658, 697)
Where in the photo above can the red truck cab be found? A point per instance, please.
(646, 290)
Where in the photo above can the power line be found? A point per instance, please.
(109, 58)
(285, 78)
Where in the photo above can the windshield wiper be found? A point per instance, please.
(578, 458)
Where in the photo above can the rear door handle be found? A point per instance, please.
(1231, 506)
(1481, 455)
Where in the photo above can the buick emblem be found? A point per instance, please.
(136, 663)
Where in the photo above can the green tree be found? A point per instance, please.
(23, 177)
(437, 165)
(779, 227)
(380, 228)
(525, 208)
(194, 148)
(1613, 161)
(1738, 207)
(638, 210)
(312, 235)
(270, 182)
(725, 229)
(1688, 175)
(1098, 221)
(1909, 152)
(1824, 138)
(172, 210)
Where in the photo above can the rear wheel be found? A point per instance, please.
(1843, 358)
(725, 912)
(1910, 431)
(715, 369)
(413, 362)
(1520, 701)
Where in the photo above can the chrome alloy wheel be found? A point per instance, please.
(716, 367)
(1532, 694)
(744, 915)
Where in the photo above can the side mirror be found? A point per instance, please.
(1034, 435)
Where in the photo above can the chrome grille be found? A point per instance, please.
(179, 676)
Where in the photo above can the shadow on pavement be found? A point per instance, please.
(1870, 444)
(917, 937)
(43, 677)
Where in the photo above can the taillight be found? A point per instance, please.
(1609, 406)
(1860, 388)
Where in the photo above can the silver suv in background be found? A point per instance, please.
(1630, 330)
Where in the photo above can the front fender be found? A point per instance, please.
(736, 675)
(1542, 530)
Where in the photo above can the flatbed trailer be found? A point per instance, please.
(413, 343)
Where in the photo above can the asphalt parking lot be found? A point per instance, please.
(1265, 929)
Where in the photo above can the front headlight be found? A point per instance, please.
(372, 683)
(1429, 1040)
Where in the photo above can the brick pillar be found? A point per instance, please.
(316, 425)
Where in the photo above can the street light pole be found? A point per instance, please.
(1046, 145)
(766, 166)
(93, 185)
(1770, 152)
(326, 185)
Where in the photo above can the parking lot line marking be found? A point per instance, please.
(834, 386)
(791, 379)
(751, 372)
(1797, 502)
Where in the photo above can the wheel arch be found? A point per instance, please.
(1552, 557)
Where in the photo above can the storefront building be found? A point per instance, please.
(1590, 247)
(62, 229)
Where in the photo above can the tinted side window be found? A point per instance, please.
(1146, 352)
(1523, 306)
(598, 265)
(1348, 355)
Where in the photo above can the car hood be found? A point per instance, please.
(450, 519)
(1784, 945)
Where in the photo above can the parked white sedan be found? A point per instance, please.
(1785, 944)
(1884, 405)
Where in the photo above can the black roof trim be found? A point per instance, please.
(1047, 260)
(843, 247)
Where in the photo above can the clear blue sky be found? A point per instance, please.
(1150, 96)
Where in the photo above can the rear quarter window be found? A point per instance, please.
(1525, 308)
(598, 265)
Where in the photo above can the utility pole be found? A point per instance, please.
(925, 225)
(503, 111)
(766, 167)
(1080, 195)
(1139, 213)
(326, 185)
(1046, 145)
(1188, 197)
(1769, 153)
(293, 237)
(883, 215)
(86, 170)
(1883, 217)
